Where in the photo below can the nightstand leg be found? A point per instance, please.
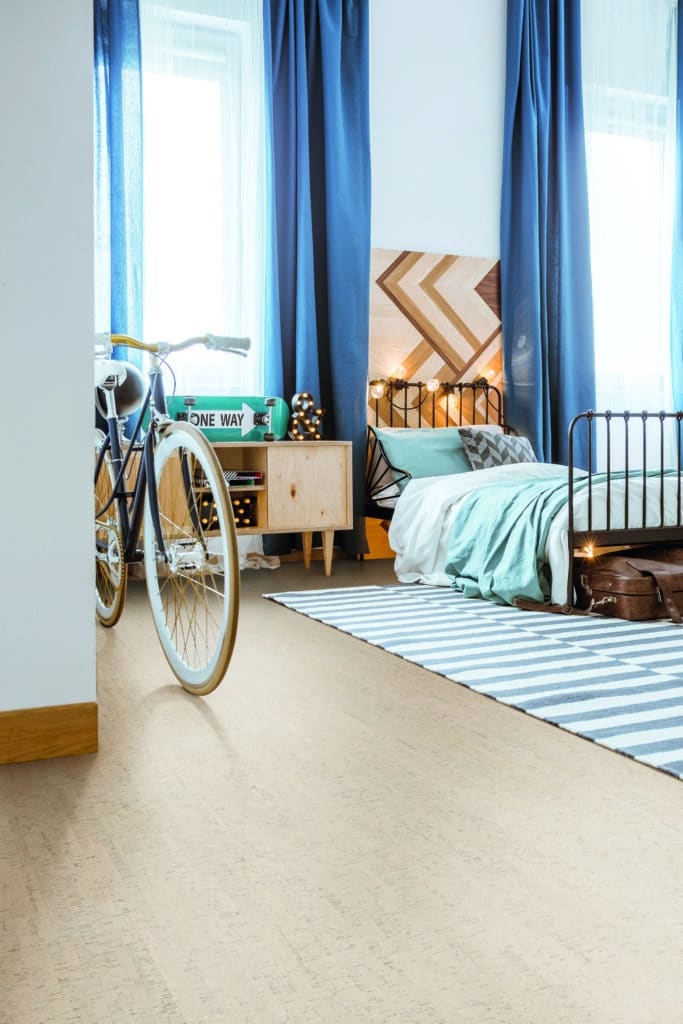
(307, 543)
(328, 544)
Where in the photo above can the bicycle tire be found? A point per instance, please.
(111, 571)
(194, 586)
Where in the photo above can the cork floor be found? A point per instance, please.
(334, 835)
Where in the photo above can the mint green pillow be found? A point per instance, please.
(423, 451)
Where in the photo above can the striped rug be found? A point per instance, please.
(617, 683)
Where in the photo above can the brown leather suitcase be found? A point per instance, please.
(637, 584)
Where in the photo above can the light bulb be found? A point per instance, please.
(377, 389)
(400, 373)
(432, 385)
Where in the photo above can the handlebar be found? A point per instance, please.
(216, 342)
(239, 346)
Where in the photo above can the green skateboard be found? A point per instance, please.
(234, 417)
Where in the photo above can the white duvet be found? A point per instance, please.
(423, 518)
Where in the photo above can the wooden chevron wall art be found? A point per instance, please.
(435, 315)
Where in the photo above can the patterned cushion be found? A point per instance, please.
(484, 449)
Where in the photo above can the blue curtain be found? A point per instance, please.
(118, 163)
(547, 309)
(317, 317)
(677, 254)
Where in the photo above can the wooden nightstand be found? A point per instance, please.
(300, 487)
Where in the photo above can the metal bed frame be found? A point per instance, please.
(401, 403)
(406, 403)
(644, 428)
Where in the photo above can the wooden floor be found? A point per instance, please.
(334, 836)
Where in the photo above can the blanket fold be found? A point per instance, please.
(497, 544)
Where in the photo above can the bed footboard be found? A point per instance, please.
(635, 495)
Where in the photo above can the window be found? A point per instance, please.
(629, 86)
(204, 195)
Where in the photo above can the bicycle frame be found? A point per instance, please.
(131, 503)
(111, 373)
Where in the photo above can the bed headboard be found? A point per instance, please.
(397, 404)
(433, 403)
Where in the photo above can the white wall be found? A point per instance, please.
(47, 633)
(437, 82)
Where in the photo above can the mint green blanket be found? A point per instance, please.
(498, 540)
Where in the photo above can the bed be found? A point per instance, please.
(467, 505)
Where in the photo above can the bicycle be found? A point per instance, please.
(161, 500)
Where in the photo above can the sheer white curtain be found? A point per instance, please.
(204, 195)
(629, 88)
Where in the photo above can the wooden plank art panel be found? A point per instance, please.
(434, 315)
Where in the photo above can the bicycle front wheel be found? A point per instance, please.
(191, 559)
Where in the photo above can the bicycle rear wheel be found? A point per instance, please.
(110, 567)
(193, 583)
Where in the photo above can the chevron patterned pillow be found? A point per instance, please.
(484, 449)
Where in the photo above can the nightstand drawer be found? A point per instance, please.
(309, 486)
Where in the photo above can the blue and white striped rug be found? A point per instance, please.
(617, 683)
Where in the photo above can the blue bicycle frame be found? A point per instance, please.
(130, 514)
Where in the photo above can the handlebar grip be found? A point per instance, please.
(225, 344)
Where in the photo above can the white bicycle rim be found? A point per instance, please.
(194, 598)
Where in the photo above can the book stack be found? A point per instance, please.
(243, 477)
